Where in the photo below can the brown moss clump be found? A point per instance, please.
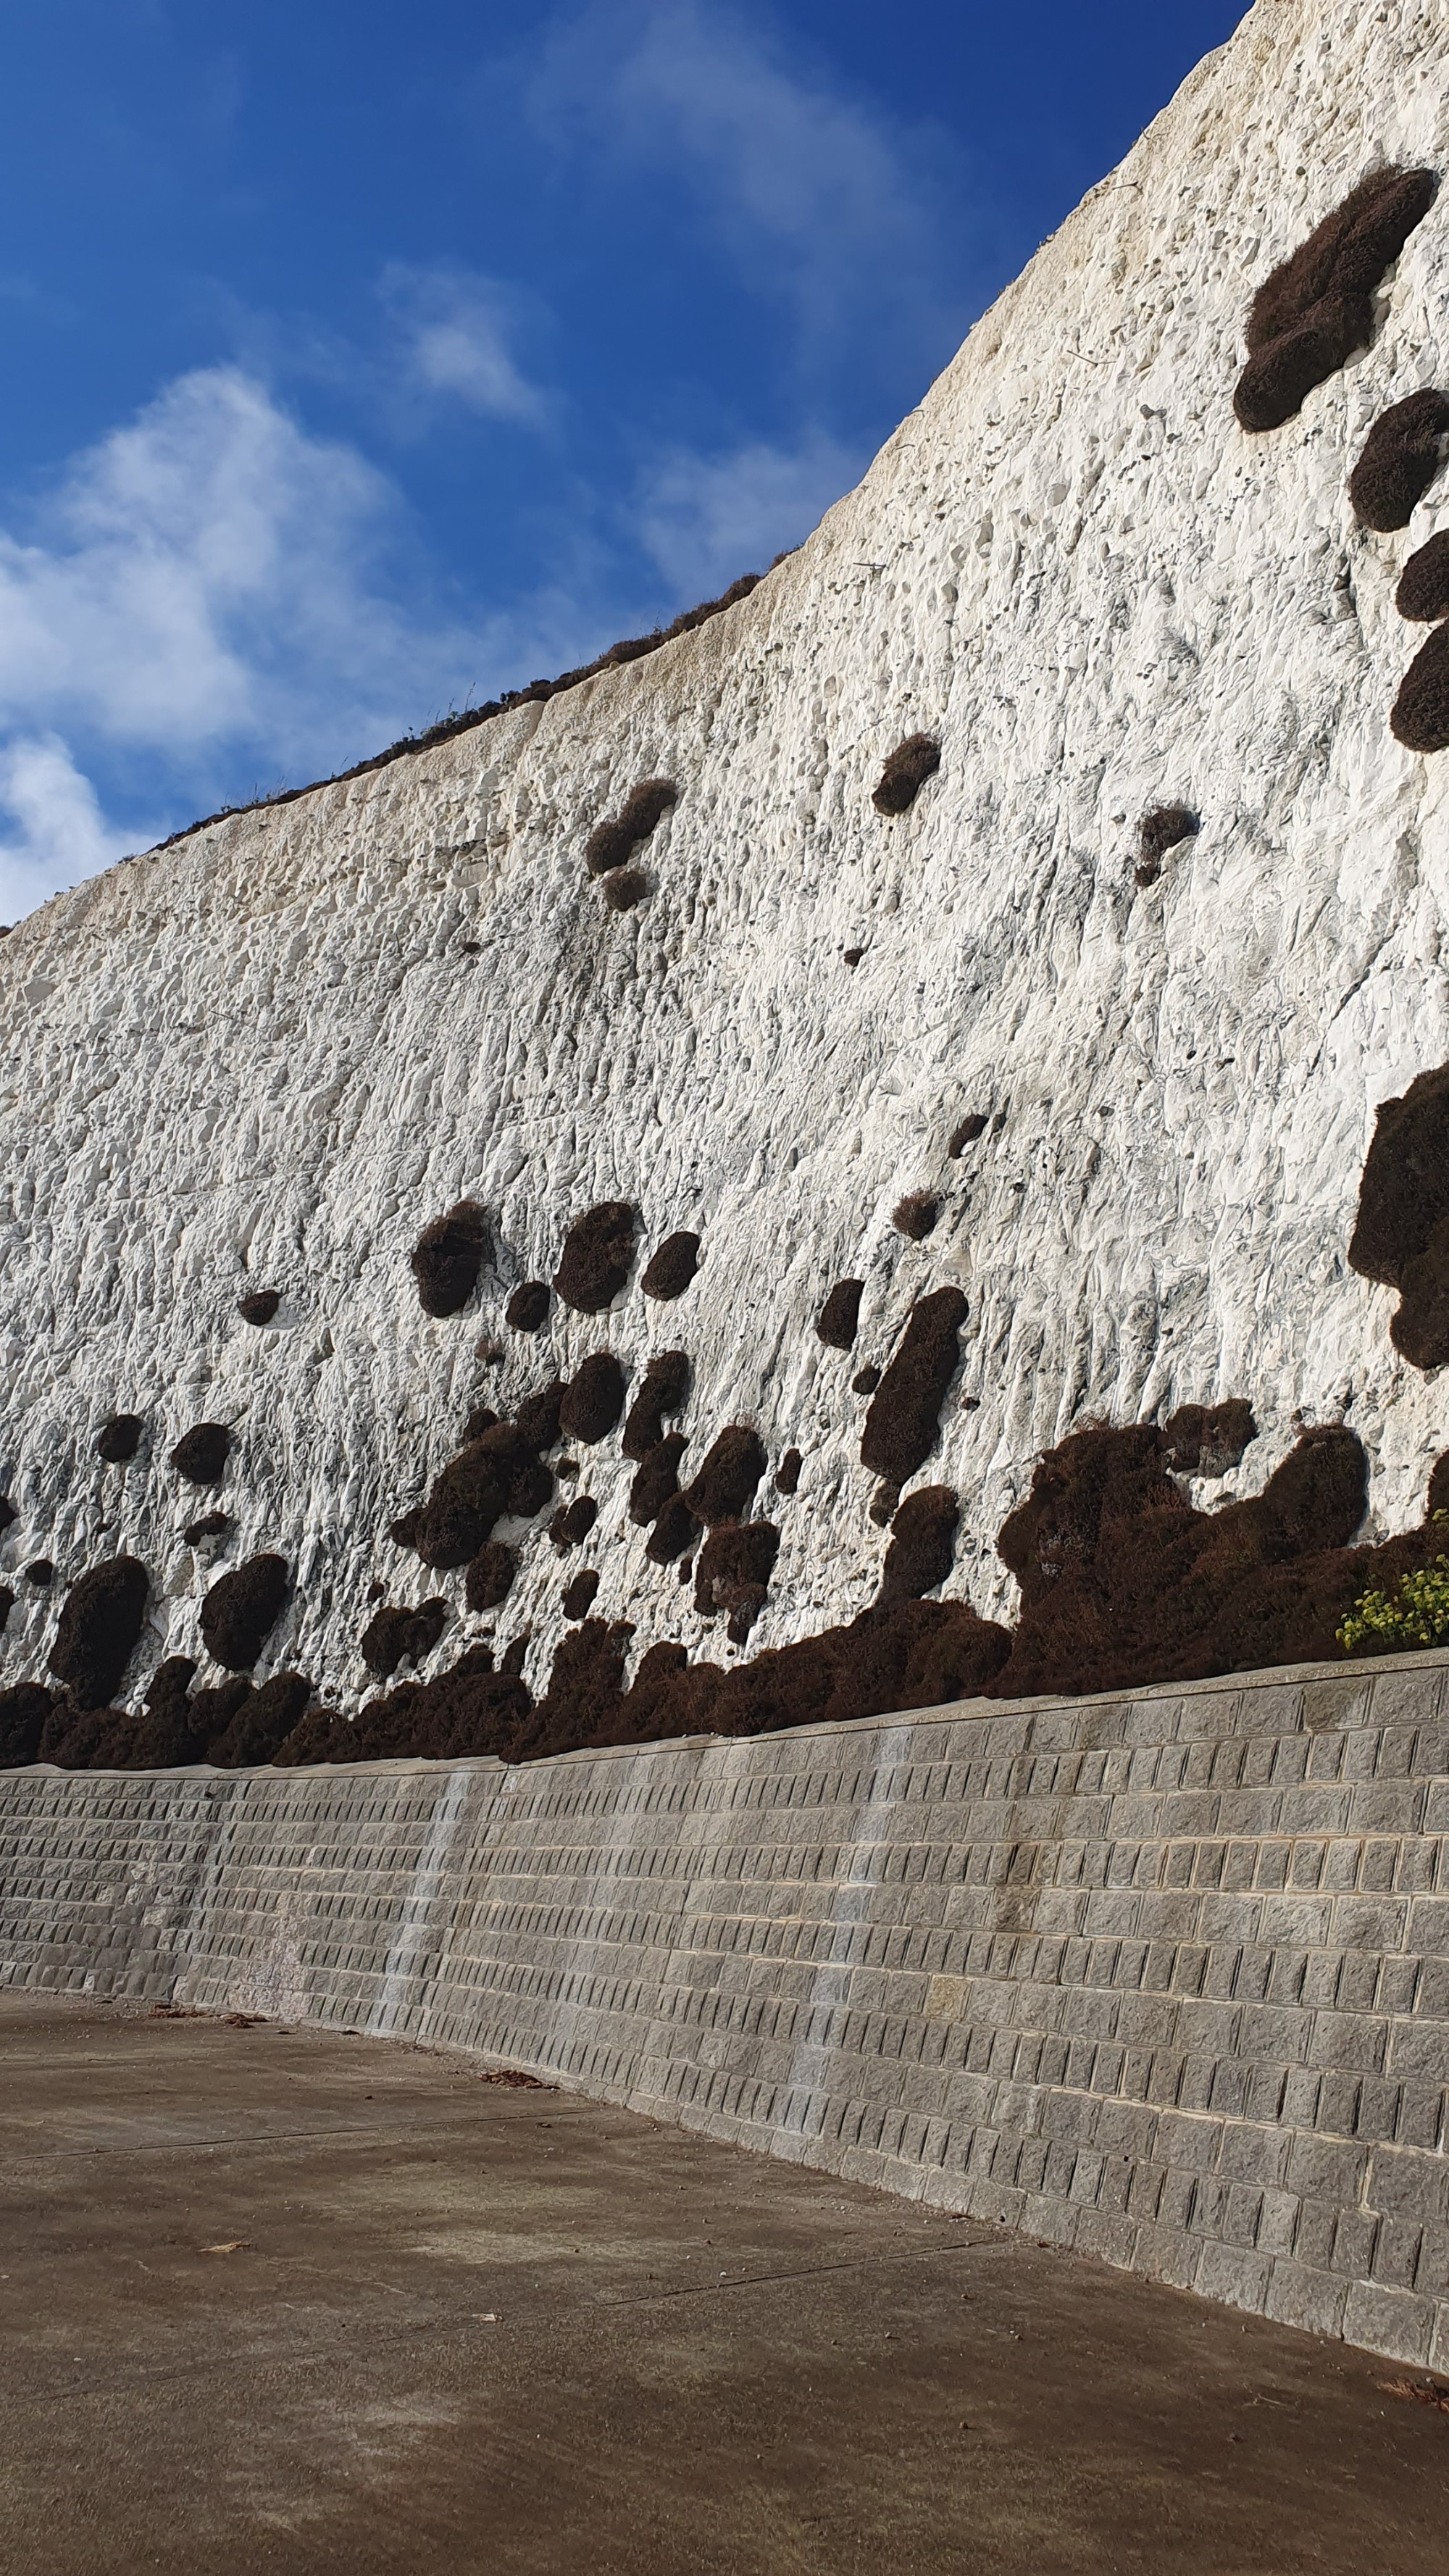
(1401, 1236)
(538, 1416)
(260, 1307)
(625, 888)
(906, 772)
(211, 1525)
(1317, 308)
(40, 1572)
(119, 1439)
(598, 1255)
(1402, 455)
(527, 1308)
(675, 1533)
(261, 1724)
(665, 1386)
(1158, 832)
(480, 1419)
(593, 1400)
(915, 1216)
(615, 841)
(923, 1545)
(24, 1709)
(1123, 1582)
(733, 1573)
(7, 1604)
(398, 1636)
(99, 1629)
(1423, 591)
(787, 1474)
(657, 1479)
(865, 1381)
(1420, 719)
(967, 1133)
(448, 1256)
(241, 1610)
(839, 1318)
(497, 1475)
(578, 1599)
(884, 1504)
(490, 1575)
(200, 1455)
(571, 1525)
(726, 1482)
(903, 1423)
(672, 1267)
(8, 1512)
(1208, 1439)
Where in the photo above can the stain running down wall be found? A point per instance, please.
(393, 1018)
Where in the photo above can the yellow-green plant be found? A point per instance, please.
(1416, 1615)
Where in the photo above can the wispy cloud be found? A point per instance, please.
(54, 832)
(817, 194)
(457, 331)
(705, 519)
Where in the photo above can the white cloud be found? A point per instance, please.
(62, 835)
(456, 330)
(820, 197)
(705, 520)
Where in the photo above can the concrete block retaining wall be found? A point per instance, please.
(1162, 1976)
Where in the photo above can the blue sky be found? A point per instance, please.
(365, 361)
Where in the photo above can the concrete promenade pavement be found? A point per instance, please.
(275, 2299)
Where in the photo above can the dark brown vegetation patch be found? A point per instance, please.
(527, 1308)
(261, 1723)
(839, 1318)
(673, 1266)
(967, 1133)
(7, 1604)
(538, 1416)
(617, 839)
(664, 1388)
(397, 1636)
(865, 1381)
(497, 1475)
(1158, 832)
(884, 1504)
(40, 1572)
(598, 1254)
(481, 1418)
(571, 1524)
(732, 1469)
(260, 1307)
(787, 1474)
(490, 1575)
(733, 1573)
(923, 1544)
(99, 1629)
(656, 1480)
(24, 1709)
(915, 1215)
(675, 1533)
(1123, 1582)
(448, 1256)
(903, 1423)
(200, 1455)
(578, 1598)
(241, 1610)
(593, 1400)
(119, 1439)
(1208, 1439)
(211, 1525)
(1317, 308)
(905, 773)
(1402, 454)
(8, 1512)
(1423, 591)
(1401, 1235)
(625, 888)
(1420, 718)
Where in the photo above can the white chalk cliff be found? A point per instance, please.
(267, 1056)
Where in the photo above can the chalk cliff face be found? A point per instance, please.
(266, 1058)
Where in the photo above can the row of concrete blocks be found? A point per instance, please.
(1044, 1966)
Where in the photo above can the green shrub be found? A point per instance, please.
(1417, 1615)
